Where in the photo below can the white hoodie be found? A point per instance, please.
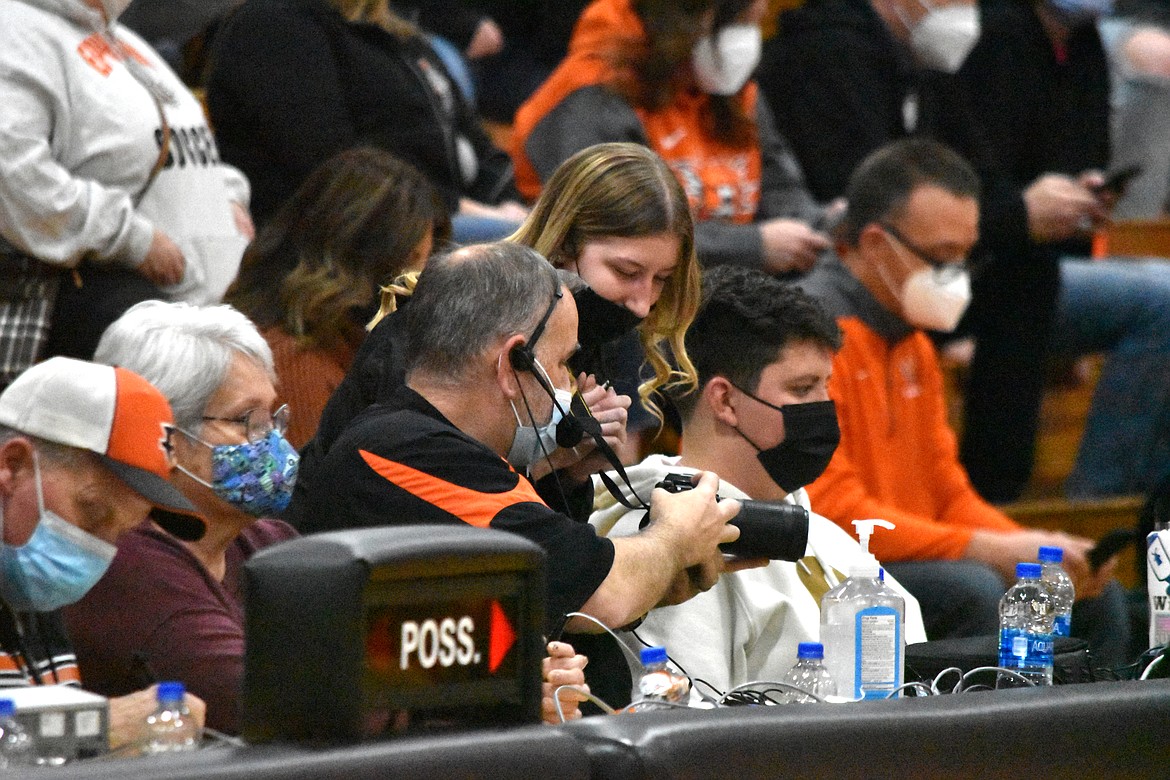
(747, 627)
(79, 136)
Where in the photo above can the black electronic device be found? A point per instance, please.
(1116, 181)
(1109, 545)
(767, 529)
(346, 631)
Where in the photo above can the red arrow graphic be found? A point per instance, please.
(502, 638)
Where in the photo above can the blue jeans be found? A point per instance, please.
(958, 598)
(1121, 307)
(1140, 129)
(469, 229)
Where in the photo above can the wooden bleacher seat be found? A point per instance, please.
(1135, 238)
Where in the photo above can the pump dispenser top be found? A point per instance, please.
(867, 565)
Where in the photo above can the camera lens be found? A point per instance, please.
(768, 529)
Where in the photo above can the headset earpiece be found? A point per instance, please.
(522, 358)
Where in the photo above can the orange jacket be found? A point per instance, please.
(898, 458)
(722, 182)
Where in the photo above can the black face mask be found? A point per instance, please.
(600, 321)
(811, 436)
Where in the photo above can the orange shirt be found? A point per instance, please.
(722, 182)
(898, 458)
(305, 378)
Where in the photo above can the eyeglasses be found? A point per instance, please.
(256, 423)
(945, 270)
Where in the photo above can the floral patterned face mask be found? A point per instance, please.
(256, 477)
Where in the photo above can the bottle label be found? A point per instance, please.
(1158, 583)
(1062, 626)
(877, 656)
(1019, 649)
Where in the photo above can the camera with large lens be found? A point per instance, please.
(767, 529)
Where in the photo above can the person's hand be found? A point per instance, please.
(1002, 551)
(685, 584)
(128, 715)
(562, 666)
(512, 211)
(583, 460)
(243, 220)
(790, 245)
(1060, 207)
(612, 410)
(164, 263)
(1094, 182)
(487, 40)
(693, 524)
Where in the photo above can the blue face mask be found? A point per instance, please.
(56, 566)
(256, 477)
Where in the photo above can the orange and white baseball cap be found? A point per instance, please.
(110, 411)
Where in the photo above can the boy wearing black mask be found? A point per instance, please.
(762, 420)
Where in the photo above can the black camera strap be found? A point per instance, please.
(580, 422)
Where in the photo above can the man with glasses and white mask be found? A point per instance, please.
(912, 219)
(82, 460)
(1021, 89)
(168, 608)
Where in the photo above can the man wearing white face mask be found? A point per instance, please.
(81, 460)
(1028, 106)
(912, 219)
(489, 332)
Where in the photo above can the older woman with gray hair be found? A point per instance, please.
(169, 609)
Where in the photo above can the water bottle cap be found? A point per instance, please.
(653, 655)
(1029, 570)
(170, 691)
(810, 650)
(7, 708)
(1051, 555)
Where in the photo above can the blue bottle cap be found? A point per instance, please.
(1050, 555)
(1028, 570)
(653, 655)
(170, 691)
(7, 708)
(810, 650)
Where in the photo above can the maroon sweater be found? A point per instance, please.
(158, 614)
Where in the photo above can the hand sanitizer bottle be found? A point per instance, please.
(862, 627)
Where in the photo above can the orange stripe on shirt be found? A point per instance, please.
(471, 506)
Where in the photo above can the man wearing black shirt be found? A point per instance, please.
(489, 333)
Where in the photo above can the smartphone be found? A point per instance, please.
(1109, 545)
(1116, 181)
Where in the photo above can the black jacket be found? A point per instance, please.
(841, 86)
(292, 83)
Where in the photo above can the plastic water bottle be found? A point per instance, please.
(1061, 586)
(170, 728)
(809, 675)
(16, 746)
(1026, 618)
(658, 686)
(1158, 583)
